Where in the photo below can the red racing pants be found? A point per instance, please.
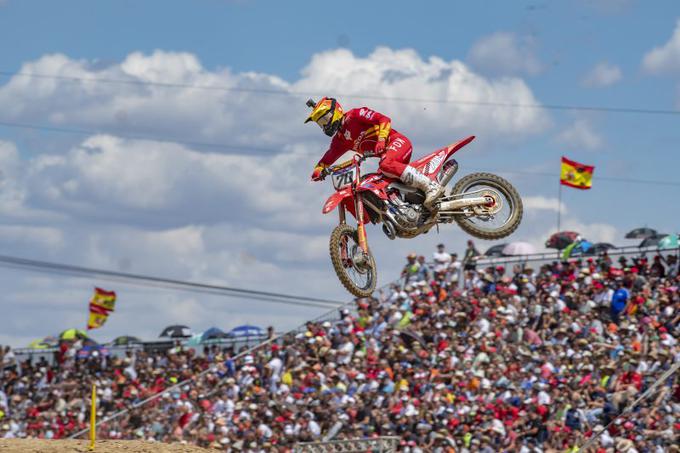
(396, 156)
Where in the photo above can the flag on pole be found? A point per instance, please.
(102, 303)
(104, 299)
(576, 175)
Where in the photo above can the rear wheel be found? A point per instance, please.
(500, 218)
(355, 269)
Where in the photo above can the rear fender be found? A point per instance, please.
(336, 198)
(431, 164)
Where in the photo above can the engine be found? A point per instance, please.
(407, 215)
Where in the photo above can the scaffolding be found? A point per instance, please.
(375, 445)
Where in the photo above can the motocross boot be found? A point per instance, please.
(414, 178)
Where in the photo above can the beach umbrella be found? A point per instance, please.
(246, 331)
(561, 240)
(519, 248)
(495, 251)
(641, 233)
(652, 240)
(72, 334)
(125, 340)
(176, 331)
(669, 242)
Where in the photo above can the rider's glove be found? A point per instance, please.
(379, 147)
(317, 174)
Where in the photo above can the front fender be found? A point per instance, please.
(335, 199)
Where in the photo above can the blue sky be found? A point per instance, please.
(179, 210)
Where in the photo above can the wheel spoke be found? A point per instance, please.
(361, 279)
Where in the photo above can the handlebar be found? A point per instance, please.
(356, 160)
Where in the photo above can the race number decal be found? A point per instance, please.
(343, 178)
(366, 113)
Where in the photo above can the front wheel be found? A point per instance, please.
(355, 269)
(499, 219)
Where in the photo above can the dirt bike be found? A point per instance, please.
(484, 205)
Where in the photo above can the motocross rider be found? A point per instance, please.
(370, 134)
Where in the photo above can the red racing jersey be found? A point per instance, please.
(360, 130)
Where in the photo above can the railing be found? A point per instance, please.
(375, 445)
(235, 343)
(557, 255)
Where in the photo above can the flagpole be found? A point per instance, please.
(559, 205)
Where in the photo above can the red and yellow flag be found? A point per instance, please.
(578, 176)
(104, 299)
(102, 303)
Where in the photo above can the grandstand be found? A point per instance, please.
(523, 354)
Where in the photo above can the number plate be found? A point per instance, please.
(343, 178)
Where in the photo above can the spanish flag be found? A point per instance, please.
(104, 299)
(578, 176)
(102, 303)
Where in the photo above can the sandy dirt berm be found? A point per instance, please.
(103, 446)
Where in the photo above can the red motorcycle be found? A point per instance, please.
(484, 205)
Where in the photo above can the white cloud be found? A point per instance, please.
(603, 74)
(505, 53)
(580, 135)
(538, 202)
(664, 59)
(31, 236)
(197, 213)
(252, 119)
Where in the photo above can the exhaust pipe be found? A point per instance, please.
(448, 170)
(389, 229)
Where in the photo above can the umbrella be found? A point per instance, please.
(561, 240)
(176, 332)
(601, 247)
(669, 242)
(641, 233)
(212, 334)
(246, 331)
(409, 338)
(495, 251)
(519, 248)
(125, 340)
(652, 240)
(72, 334)
(39, 344)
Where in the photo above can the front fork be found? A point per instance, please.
(361, 228)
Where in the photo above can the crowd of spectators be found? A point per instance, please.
(455, 357)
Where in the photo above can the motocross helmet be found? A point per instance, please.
(327, 113)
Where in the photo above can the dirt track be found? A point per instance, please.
(104, 446)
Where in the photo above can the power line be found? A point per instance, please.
(595, 177)
(367, 96)
(245, 149)
(146, 280)
(237, 149)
